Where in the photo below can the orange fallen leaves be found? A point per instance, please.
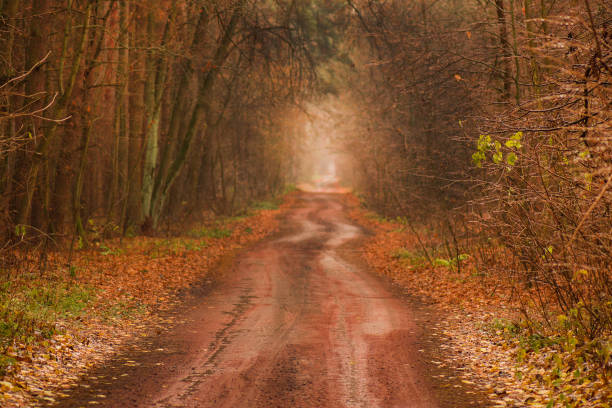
(468, 288)
(474, 303)
(140, 275)
(152, 270)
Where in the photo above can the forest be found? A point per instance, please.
(472, 138)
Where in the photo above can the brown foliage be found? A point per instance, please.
(525, 89)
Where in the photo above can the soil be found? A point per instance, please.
(295, 321)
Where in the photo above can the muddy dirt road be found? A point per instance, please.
(296, 321)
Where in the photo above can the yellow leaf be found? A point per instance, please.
(6, 384)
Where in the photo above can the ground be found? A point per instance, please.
(297, 320)
(322, 313)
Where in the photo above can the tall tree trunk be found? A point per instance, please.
(156, 73)
(59, 209)
(164, 181)
(136, 125)
(87, 123)
(7, 71)
(505, 48)
(180, 109)
(9, 13)
(47, 140)
(37, 49)
(120, 178)
(517, 67)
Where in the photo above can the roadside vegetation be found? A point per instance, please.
(59, 317)
(142, 138)
(517, 358)
(483, 153)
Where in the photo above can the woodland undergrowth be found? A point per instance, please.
(517, 354)
(64, 311)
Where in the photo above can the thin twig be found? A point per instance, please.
(25, 74)
(586, 215)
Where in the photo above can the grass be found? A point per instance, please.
(377, 217)
(274, 203)
(527, 341)
(450, 262)
(125, 309)
(503, 325)
(206, 232)
(105, 250)
(234, 218)
(5, 362)
(289, 188)
(30, 311)
(172, 246)
(34, 309)
(413, 258)
(265, 205)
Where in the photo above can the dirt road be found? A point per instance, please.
(296, 321)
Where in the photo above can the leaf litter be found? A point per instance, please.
(476, 331)
(134, 279)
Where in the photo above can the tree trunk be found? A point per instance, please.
(35, 83)
(156, 68)
(201, 108)
(7, 158)
(60, 197)
(517, 67)
(179, 111)
(505, 48)
(136, 126)
(120, 178)
(41, 153)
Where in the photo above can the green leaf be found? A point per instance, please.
(588, 177)
(484, 143)
(515, 141)
(442, 262)
(478, 157)
(20, 230)
(511, 158)
(498, 156)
